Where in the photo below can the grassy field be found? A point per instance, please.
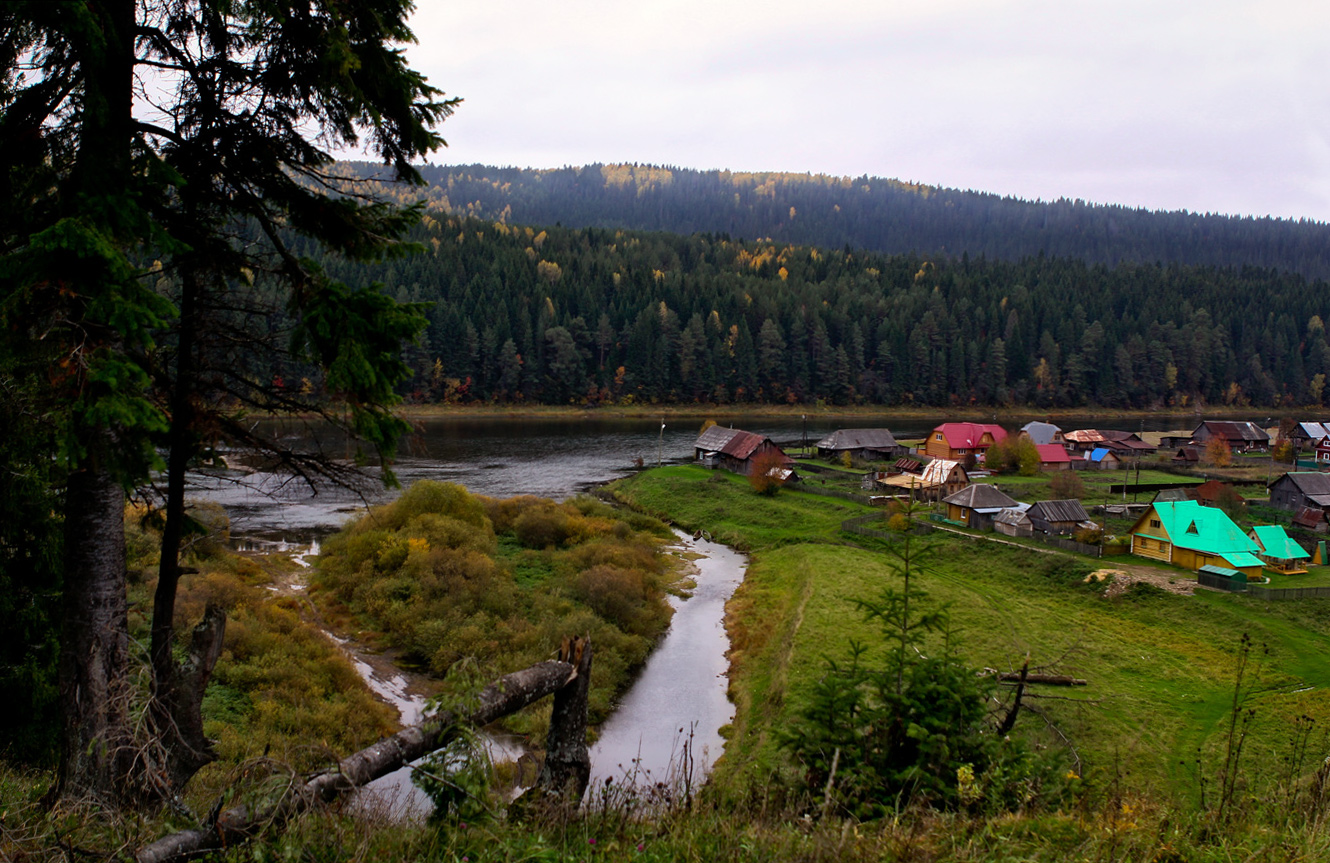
(1161, 667)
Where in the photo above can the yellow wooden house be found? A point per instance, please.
(1191, 536)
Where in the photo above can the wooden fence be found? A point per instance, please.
(1073, 545)
(835, 492)
(1278, 594)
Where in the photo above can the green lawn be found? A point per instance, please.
(1161, 667)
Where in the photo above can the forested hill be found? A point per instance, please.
(870, 213)
(565, 315)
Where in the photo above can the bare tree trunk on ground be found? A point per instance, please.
(567, 768)
(506, 695)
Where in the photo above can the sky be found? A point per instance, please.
(1214, 106)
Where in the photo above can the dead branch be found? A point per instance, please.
(505, 696)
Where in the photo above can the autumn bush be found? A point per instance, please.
(765, 472)
(444, 575)
(1067, 484)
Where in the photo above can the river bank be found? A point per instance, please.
(700, 412)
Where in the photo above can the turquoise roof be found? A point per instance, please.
(1205, 528)
(1278, 544)
(1240, 558)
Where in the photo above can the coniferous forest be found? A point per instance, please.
(560, 315)
(873, 213)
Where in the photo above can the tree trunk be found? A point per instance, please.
(178, 690)
(96, 751)
(506, 695)
(567, 767)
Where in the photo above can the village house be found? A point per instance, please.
(1053, 456)
(1040, 434)
(939, 478)
(1189, 535)
(1102, 458)
(1305, 436)
(1297, 490)
(1240, 436)
(1321, 450)
(1123, 443)
(735, 450)
(977, 504)
(955, 441)
(863, 444)
(1278, 549)
(1060, 517)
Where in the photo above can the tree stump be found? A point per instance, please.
(567, 768)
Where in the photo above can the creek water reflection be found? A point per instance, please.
(667, 728)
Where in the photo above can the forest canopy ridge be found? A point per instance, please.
(871, 213)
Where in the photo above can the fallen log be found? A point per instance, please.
(506, 695)
(1046, 679)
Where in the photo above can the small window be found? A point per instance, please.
(1154, 522)
(938, 437)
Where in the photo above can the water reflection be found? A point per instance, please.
(504, 456)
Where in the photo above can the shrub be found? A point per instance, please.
(1067, 484)
(765, 477)
(1217, 452)
(542, 527)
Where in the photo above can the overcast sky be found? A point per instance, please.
(1204, 105)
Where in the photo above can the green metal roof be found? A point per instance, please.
(1278, 544)
(1240, 558)
(1204, 528)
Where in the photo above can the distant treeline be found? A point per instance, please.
(870, 213)
(560, 315)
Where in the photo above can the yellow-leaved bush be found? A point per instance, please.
(446, 575)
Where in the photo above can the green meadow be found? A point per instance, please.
(1161, 668)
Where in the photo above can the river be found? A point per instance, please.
(669, 723)
(549, 457)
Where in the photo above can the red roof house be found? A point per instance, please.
(957, 440)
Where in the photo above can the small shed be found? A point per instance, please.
(1222, 578)
(1013, 522)
(977, 504)
(1278, 549)
(1102, 458)
(1059, 516)
(1187, 455)
(1311, 518)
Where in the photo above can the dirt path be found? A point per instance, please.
(1123, 575)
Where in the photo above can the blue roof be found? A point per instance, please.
(1098, 453)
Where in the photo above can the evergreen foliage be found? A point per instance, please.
(874, 213)
(639, 317)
